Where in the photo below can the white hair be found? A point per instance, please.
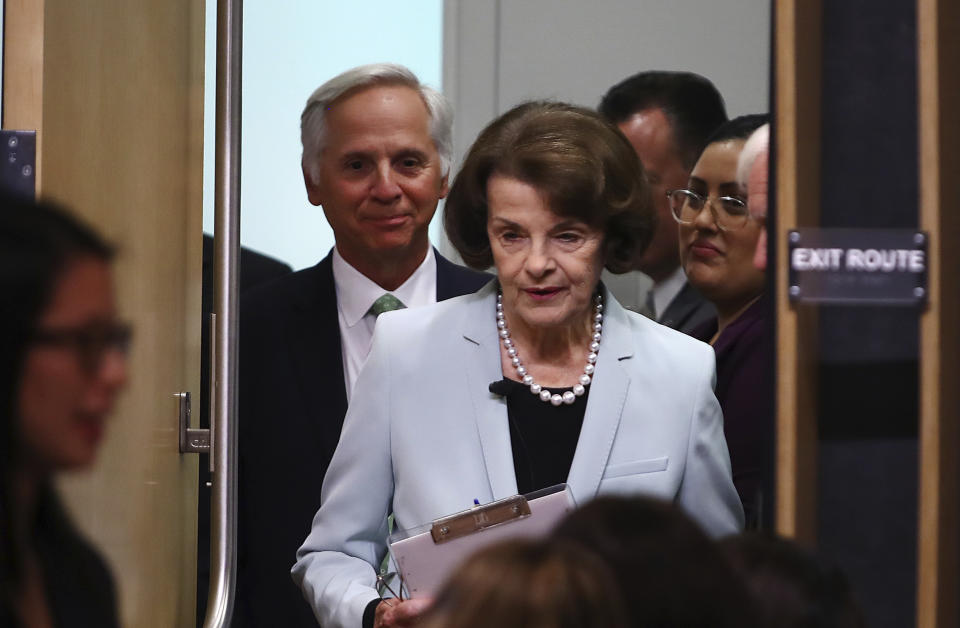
(756, 144)
(313, 119)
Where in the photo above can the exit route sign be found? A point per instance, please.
(858, 266)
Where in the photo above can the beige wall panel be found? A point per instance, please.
(121, 140)
(939, 133)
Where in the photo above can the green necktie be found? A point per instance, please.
(386, 303)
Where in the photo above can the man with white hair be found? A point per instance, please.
(752, 175)
(376, 157)
(755, 358)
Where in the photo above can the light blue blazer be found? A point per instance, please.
(423, 437)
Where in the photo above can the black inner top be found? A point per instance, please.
(543, 436)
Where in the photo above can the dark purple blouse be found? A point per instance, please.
(745, 392)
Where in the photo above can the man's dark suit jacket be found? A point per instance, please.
(292, 403)
(688, 310)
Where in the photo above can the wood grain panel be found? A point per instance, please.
(121, 133)
(939, 133)
(23, 68)
(797, 140)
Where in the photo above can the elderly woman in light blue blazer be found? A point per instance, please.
(540, 377)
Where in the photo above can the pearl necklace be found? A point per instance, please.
(556, 399)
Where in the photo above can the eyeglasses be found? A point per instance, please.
(383, 584)
(89, 342)
(729, 212)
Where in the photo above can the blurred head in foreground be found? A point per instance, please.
(672, 574)
(791, 587)
(62, 364)
(529, 584)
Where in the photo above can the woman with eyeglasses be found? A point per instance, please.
(718, 238)
(62, 363)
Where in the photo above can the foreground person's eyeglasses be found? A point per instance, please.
(89, 342)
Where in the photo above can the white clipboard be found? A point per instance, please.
(426, 555)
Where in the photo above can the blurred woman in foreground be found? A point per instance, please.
(62, 363)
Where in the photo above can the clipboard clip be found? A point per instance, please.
(479, 518)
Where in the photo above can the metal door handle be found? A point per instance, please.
(226, 247)
(192, 440)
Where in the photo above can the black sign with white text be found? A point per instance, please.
(858, 266)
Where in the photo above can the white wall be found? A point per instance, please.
(498, 53)
(491, 55)
(289, 49)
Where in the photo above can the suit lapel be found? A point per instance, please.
(314, 346)
(446, 287)
(454, 280)
(480, 352)
(608, 393)
(687, 310)
(680, 308)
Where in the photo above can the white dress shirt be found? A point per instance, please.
(667, 290)
(356, 293)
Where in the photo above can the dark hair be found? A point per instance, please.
(673, 575)
(37, 242)
(584, 166)
(691, 103)
(529, 584)
(740, 128)
(791, 586)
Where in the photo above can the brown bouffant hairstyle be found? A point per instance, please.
(529, 584)
(583, 165)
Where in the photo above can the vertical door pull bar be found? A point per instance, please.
(226, 246)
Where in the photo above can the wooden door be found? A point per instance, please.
(114, 90)
(805, 52)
